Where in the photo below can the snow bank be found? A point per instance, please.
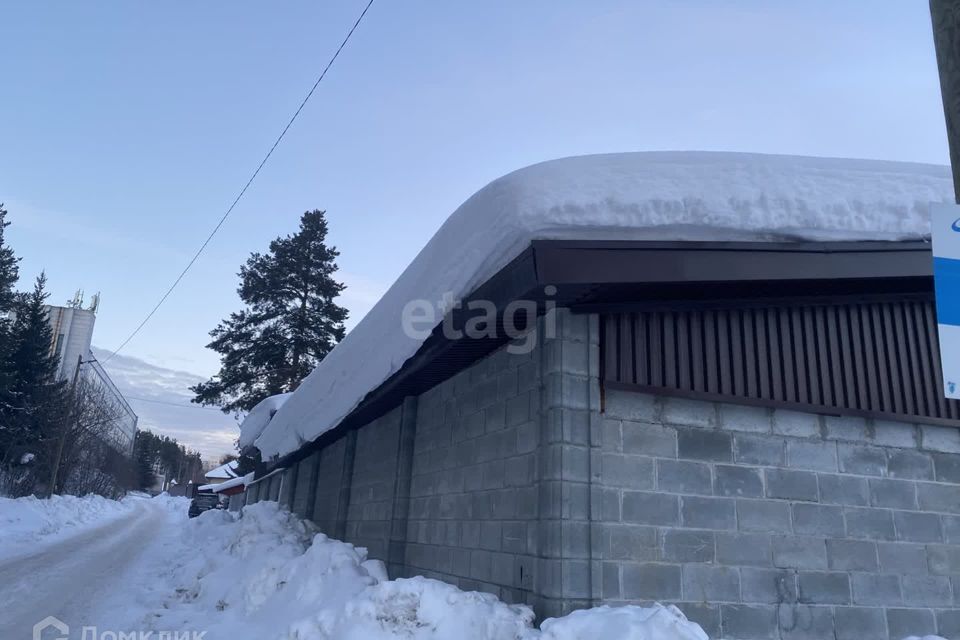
(28, 522)
(628, 623)
(271, 575)
(640, 196)
(259, 417)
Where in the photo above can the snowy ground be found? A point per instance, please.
(68, 577)
(265, 575)
(28, 524)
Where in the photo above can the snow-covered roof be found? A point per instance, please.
(259, 417)
(626, 196)
(229, 484)
(226, 470)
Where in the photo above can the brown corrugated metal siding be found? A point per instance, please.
(878, 358)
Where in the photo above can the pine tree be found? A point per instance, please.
(290, 323)
(8, 267)
(144, 456)
(8, 277)
(37, 396)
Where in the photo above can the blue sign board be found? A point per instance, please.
(945, 232)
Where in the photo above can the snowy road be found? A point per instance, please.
(68, 579)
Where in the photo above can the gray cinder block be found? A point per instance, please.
(792, 485)
(651, 581)
(735, 481)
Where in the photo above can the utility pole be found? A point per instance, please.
(945, 15)
(64, 429)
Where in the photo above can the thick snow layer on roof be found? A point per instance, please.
(259, 417)
(626, 196)
(226, 470)
(229, 484)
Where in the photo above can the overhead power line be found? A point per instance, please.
(226, 215)
(172, 404)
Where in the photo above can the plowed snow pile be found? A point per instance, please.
(270, 575)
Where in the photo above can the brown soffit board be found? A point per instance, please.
(581, 262)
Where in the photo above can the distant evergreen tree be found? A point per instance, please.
(8, 277)
(227, 457)
(143, 456)
(36, 394)
(174, 461)
(290, 323)
(248, 462)
(8, 267)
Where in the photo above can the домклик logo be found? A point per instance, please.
(48, 622)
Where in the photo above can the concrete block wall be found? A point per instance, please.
(274, 483)
(369, 511)
(758, 523)
(251, 494)
(764, 523)
(288, 485)
(483, 481)
(445, 485)
(304, 491)
(570, 408)
(318, 489)
(269, 488)
(332, 487)
(472, 518)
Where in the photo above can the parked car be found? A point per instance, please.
(204, 501)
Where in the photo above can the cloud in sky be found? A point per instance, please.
(161, 398)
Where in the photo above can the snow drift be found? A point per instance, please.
(29, 523)
(271, 575)
(629, 196)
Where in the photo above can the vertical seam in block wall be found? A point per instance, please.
(403, 478)
(294, 471)
(346, 482)
(594, 418)
(601, 365)
(310, 508)
(396, 483)
(553, 508)
(563, 476)
(543, 464)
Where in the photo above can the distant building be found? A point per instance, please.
(226, 471)
(72, 336)
(165, 480)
